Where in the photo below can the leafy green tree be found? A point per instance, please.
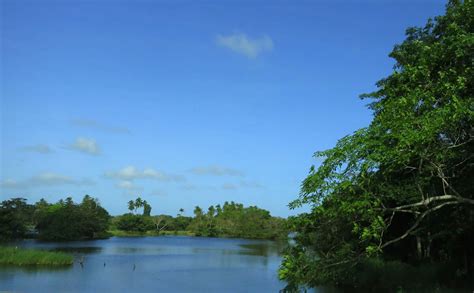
(235, 220)
(14, 217)
(131, 205)
(138, 203)
(146, 209)
(94, 218)
(67, 220)
(181, 223)
(136, 223)
(198, 212)
(198, 225)
(40, 208)
(401, 188)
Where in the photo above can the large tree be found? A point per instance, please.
(66, 220)
(400, 188)
(15, 214)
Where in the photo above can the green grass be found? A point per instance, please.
(20, 257)
(120, 233)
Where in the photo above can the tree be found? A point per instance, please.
(197, 212)
(161, 222)
(66, 220)
(94, 218)
(138, 203)
(400, 188)
(146, 209)
(14, 217)
(134, 205)
(235, 220)
(131, 205)
(137, 223)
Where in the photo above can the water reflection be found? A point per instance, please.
(263, 249)
(153, 264)
(78, 250)
(136, 250)
(32, 269)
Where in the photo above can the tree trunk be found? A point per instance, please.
(428, 245)
(419, 248)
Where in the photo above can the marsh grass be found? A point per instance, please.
(21, 256)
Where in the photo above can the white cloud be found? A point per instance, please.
(38, 148)
(85, 145)
(93, 124)
(126, 173)
(49, 178)
(128, 185)
(45, 179)
(151, 173)
(217, 171)
(242, 44)
(130, 173)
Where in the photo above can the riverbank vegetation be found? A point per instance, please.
(229, 220)
(21, 256)
(392, 205)
(66, 220)
(61, 221)
(235, 220)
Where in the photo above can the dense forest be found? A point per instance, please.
(66, 220)
(392, 205)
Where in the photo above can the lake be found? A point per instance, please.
(153, 264)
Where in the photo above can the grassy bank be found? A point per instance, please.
(121, 233)
(20, 256)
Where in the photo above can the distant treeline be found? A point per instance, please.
(64, 220)
(229, 220)
(67, 220)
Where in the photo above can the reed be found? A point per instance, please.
(21, 256)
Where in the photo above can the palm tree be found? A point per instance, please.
(146, 208)
(131, 205)
(138, 203)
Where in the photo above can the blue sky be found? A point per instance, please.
(186, 102)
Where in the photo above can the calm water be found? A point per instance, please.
(162, 264)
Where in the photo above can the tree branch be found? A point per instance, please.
(458, 199)
(417, 222)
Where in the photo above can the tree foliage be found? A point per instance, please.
(139, 203)
(230, 220)
(66, 220)
(14, 217)
(133, 222)
(235, 220)
(401, 188)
